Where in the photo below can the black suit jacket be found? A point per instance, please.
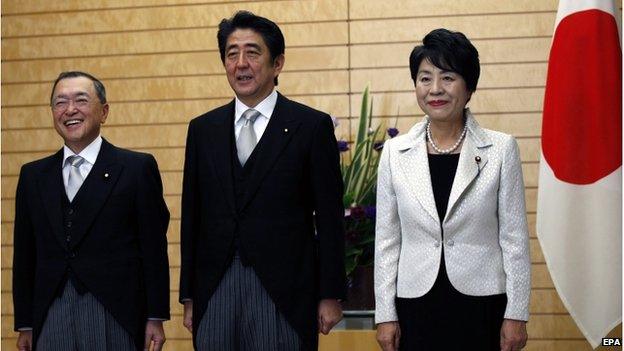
(295, 187)
(118, 246)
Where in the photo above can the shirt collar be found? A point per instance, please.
(265, 107)
(89, 153)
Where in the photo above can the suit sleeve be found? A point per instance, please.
(514, 234)
(24, 257)
(387, 242)
(153, 221)
(190, 208)
(327, 188)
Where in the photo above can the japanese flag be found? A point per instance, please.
(579, 213)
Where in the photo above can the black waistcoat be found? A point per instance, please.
(70, 210)
(241, 177)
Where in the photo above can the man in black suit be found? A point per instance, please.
(262, 215)
(90, 267)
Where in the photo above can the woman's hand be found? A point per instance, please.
(388, 335)
(513, 335)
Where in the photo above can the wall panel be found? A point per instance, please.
(363, 9)
(176, 88)
(155, 112)
(164, 65)
(515, 25)
(160, 41)
(162, 18)
(512, 99)
(498, 50)
(16, 7)
(160, 63)
(504, 75)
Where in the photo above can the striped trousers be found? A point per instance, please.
(80, 323)
(242, 317)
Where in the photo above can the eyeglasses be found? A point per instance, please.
(62, 104)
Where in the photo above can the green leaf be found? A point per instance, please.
(353, 251)
(364, 115)
(359, 172)
(350, 265)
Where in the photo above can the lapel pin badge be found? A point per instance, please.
(285, 130)
(106, 175)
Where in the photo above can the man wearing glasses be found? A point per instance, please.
(90, 266)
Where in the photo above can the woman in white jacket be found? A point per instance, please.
(452, 265)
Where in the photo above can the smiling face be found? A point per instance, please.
(249, 67)
(78, 112)
(442, 95)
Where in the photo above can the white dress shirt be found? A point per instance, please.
(265, 107)
(89, 154)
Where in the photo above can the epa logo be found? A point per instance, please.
(611, 342)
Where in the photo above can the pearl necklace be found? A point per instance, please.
(449, 150)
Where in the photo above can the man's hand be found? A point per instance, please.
(155, 335)
(188, 315)
(388, 336)
(513, 335)
(24, 341)
(329, 314)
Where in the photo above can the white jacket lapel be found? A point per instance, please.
(472, 159)
(414, 166)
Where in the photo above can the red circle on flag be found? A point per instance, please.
(582, 122)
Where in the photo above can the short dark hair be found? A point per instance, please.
(270, 32)
(99, 87)
(450, 51)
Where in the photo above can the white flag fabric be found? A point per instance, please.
(579, 207)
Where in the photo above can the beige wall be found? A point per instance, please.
(160, 64)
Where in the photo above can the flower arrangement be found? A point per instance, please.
(359, 174)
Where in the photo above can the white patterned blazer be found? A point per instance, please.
(486, 240)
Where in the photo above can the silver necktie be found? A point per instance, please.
(74, 181)
(247, 141)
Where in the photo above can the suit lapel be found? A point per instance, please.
(282, 126)
(52, 191)
(220, 148)
(95, 189)
(414, 165)
(468, 168)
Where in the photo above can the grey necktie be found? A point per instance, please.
(74, 181)
(247, 141)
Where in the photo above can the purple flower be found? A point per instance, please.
(343, 145)
(378, 145)
(370, 211)
(357, 212)
(392, 132)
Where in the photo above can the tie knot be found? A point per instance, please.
(251, 115)
(75, 160)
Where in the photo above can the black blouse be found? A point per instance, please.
(442, 169)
